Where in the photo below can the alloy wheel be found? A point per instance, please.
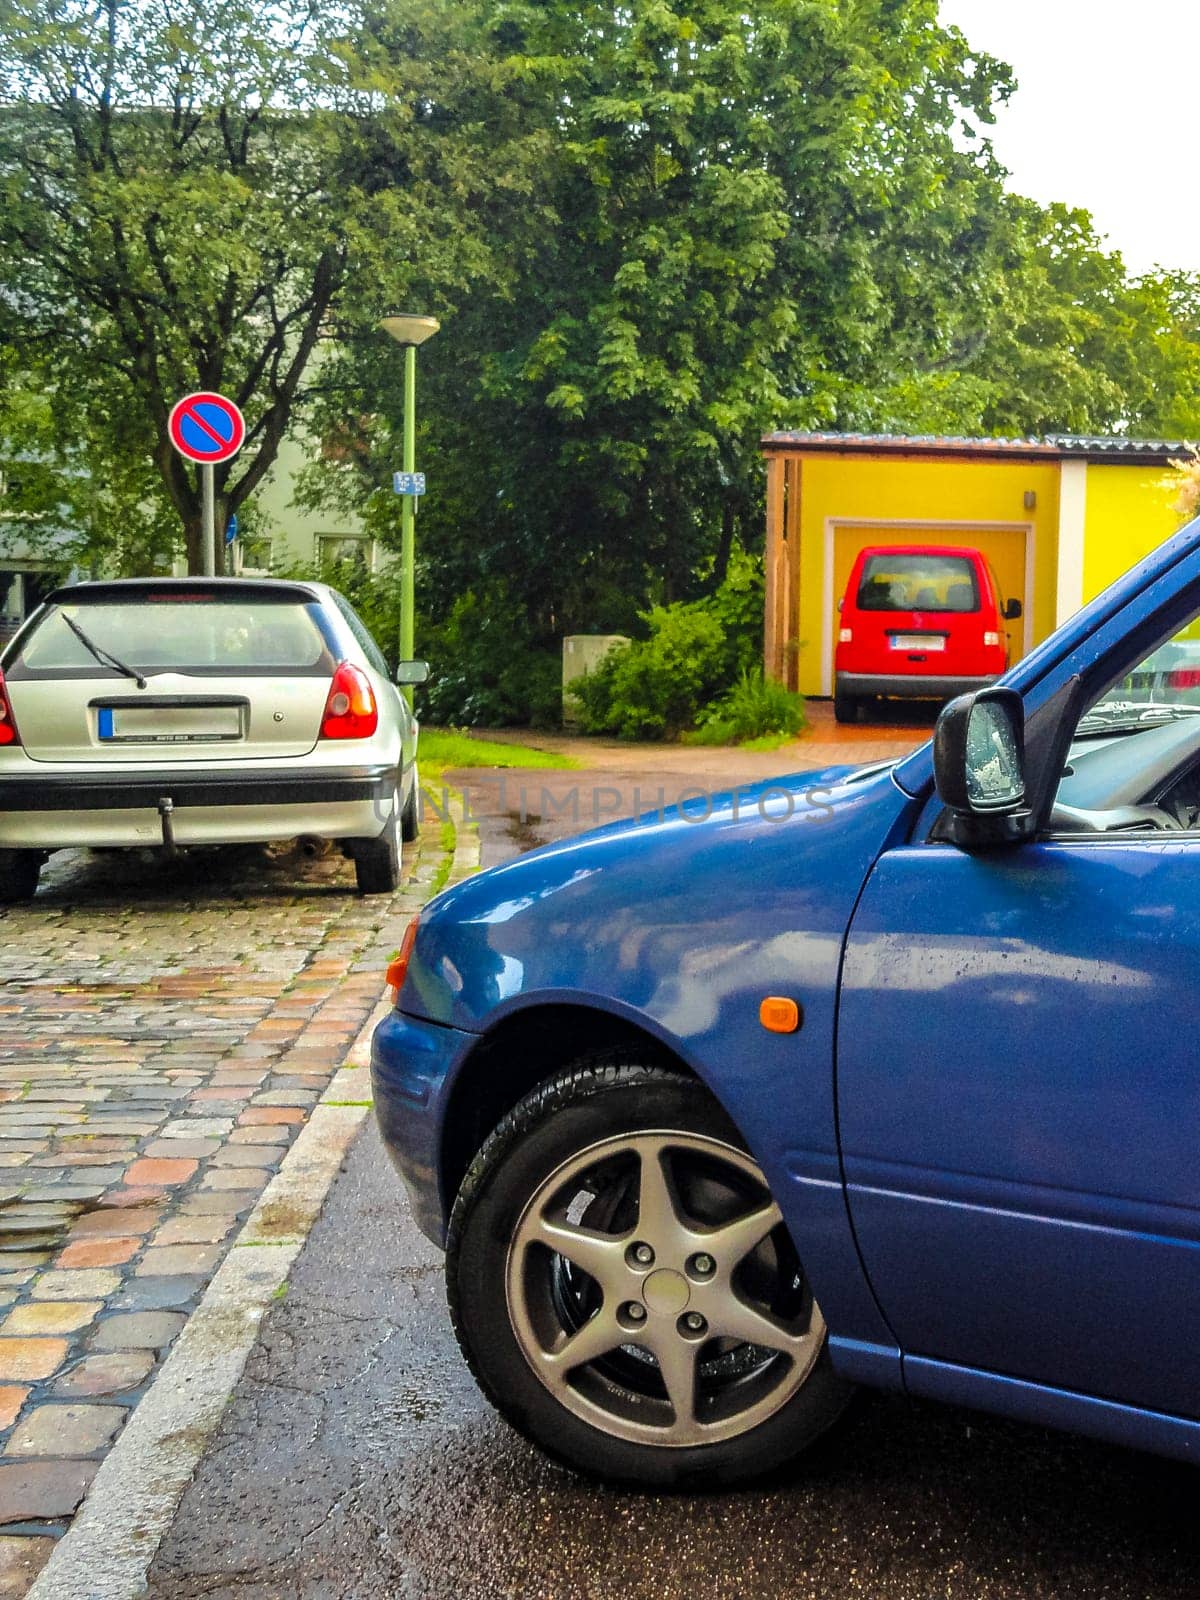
(655, 1292)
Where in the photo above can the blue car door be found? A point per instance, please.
(1019, 1101)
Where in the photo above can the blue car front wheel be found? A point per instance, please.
(625, 1289)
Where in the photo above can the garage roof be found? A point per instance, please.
(1054, 447)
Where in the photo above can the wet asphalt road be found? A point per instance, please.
(358, 1462)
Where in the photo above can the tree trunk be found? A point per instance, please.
(193, 534)
(219, 520)
(724, 547)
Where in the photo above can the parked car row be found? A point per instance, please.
(176, 712)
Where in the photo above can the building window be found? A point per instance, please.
(335, 548)
(255, 554)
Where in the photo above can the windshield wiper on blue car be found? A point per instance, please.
(103, 656)
(1126, 716)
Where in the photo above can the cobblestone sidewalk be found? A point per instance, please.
(164, 1032)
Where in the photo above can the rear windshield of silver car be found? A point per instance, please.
(201, 636)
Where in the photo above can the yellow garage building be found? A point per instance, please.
(1059, 518)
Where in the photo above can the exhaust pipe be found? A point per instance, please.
(312, 847)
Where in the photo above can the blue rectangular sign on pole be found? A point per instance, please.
(408, 482)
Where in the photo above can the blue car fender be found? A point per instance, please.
(682, 924)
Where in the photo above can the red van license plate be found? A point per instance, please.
(918, 641)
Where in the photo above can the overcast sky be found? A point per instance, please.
(1104, 115)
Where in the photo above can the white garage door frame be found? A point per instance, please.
(918, 525)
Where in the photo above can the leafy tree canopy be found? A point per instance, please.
(748, 214)
(186, 189)
(652, 232)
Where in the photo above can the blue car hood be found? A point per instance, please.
(672, 918)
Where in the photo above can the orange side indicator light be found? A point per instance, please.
(398, 966)
(779, 1015)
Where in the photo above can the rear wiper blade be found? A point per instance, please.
(103, 656)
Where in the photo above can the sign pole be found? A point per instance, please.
(207, 428)
(209, 519)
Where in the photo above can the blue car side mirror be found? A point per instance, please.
(979, 769)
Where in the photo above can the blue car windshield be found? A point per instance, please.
(1164, 687)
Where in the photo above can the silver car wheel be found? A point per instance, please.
(653, 1289)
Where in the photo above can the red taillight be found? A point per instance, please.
(398, 966)
(1184, 678)
(8, 723)
(350, 710)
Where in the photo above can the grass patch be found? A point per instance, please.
(718, 736)
(451, 747)
(447, 842)
(769, 741)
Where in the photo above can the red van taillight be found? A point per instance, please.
(350, 711)
(398, 966)
(8, 723)
(1184, 678)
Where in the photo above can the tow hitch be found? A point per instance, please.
(166, 807)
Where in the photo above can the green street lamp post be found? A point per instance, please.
(409, 331)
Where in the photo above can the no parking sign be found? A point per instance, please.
(206, 427)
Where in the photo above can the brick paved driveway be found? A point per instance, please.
(164, 1031)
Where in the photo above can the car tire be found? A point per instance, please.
(377, 861)
(846, 707)
(19, 872)
(410, 822)
(607, 1128)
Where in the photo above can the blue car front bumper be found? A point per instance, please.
(412, 1065)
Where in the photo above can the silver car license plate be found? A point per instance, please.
(168, 724)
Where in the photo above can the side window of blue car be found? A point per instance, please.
(1134, 762)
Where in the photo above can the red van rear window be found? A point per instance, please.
(918, 583)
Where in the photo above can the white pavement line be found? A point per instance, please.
(107, 1551)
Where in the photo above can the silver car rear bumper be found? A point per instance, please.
(63, 809)
(89, 791)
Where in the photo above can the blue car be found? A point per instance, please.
(885, 1077)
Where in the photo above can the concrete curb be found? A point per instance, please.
(107, 1551)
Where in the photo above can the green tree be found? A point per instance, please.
(747, 214)
(1051, 337)
(187, 188)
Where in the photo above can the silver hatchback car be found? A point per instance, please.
(189, 711)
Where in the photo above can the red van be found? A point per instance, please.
(921, 622)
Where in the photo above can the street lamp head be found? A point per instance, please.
(409, 329)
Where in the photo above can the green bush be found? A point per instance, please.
(653, 688)
(486, 671)
(657, 687)
(738, 607)
(755, 707)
